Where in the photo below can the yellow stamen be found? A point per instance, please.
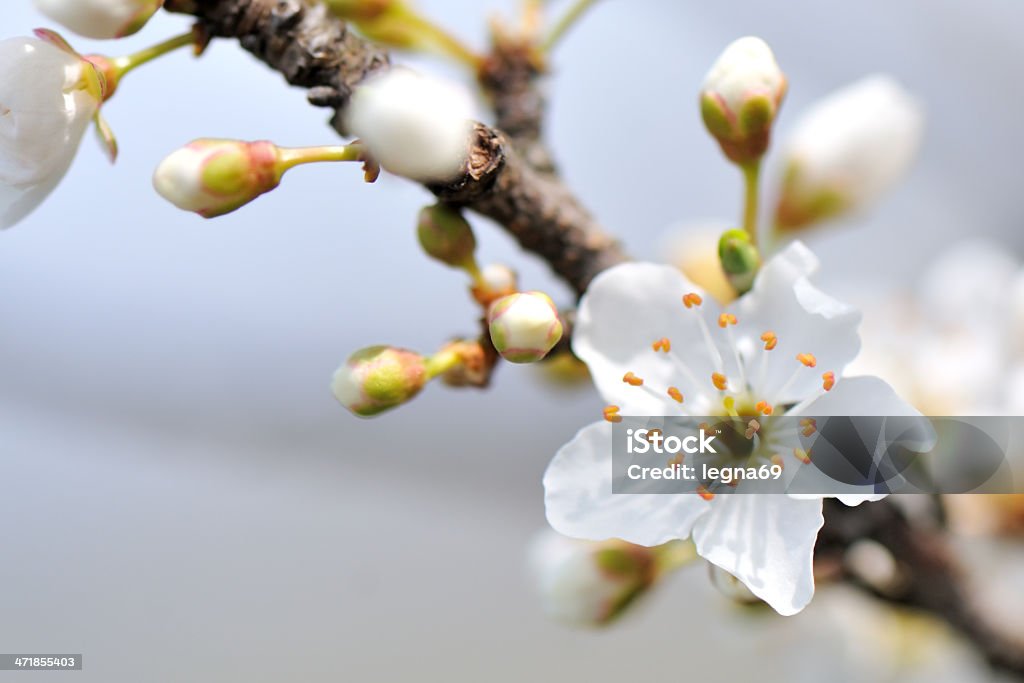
(726, 319)
(632, 380)
(719, 380)
(770, 340)
(828, 380)
(611, 414)
(675, 394)
(729, 403)
(692, 299)
(807, 359)
(662, 344)
(802, 455)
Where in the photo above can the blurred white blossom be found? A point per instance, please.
(847, 150)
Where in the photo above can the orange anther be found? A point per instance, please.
(719, 380)
(611, 414)
(675, 394)
(703, 492)
(807, 359)
(632, 380)
(692, 299)
(777, 460)
(828, 380)
(802, 455)
(763, 408)
(770, 340)
(662, 344)
(726, 319)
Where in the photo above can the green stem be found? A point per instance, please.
(751, 181)
(563, 25)
(290, 157)
(441, 362)
(126, 64)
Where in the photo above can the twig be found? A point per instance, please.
(934, 583)
(315, 50)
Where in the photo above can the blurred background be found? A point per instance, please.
(184, 499)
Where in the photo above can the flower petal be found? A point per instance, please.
(624, 311)
(43, 117)
(863, 396)
(805, 320)
(767, 542)
(580, 503)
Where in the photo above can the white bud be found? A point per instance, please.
(100, 19)
(48, 98)
(848, 150)
(740, 98)
(412, 125)
(524, 327)
(587, 583)
(499, 278)
(215, 177)
(745, 69)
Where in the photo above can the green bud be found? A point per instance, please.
(447, 236)
(378, 378)
(740, 259)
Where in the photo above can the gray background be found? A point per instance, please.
(181, 494)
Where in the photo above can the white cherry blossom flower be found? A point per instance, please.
(848, 150)
(48, 98)
(415, 126)
(656, 345)
(100, 19)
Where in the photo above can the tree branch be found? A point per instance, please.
(934, 583)
(315, 50)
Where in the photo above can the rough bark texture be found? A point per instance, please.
(314, 50)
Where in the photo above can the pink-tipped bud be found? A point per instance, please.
(741, 97)
(215, 177)
(524, 327)
(378, 378)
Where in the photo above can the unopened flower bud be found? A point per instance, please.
(524, 327)
(847, 151)
(741, 97)
(740, 259)
(495, 281)
(215, 177)
(588, 583)
(412, 125)
(731, 587)
(378, 378)
(100, 19)
(446, 235)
